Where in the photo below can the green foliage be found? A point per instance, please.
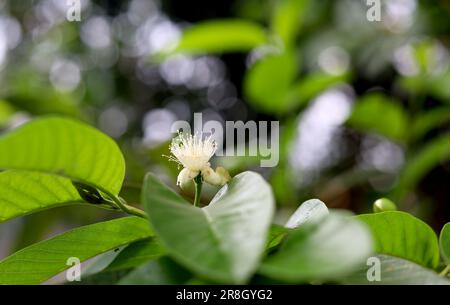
(288, 18)
(160, 272)
(28, 92)
(424, 160)
(223, 242)
(6, 111)
(67, 148)
(401, 234)
(22, 193)
(308, 87)
(136, 254)
(289, 53)
(320, 252)
(380, 114)
(429, 120)
(39, 262)
(444, 243)
(270, 84)
(229, 234)
(268, 81)
(218, 36)
(276, 235)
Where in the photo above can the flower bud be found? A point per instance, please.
(219, 177)
(383, 205)
(185, 176)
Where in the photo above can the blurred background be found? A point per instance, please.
(364, 107)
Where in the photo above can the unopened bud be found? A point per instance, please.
(219, 177)
(383, 205)
(185, 176)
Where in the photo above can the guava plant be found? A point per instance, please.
(52, 162)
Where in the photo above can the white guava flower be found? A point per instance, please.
(193, 153)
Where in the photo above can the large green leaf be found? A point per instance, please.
(39, 262)
(396, 271)
(22, 193)
(444, 243)
(320, 251)
(223, 241)
(377, 113)
(403, 235)
(268, 81)
(64, 147)
(218, 36)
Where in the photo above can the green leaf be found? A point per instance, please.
(268, 81)
(431, 155)
(436, 86)
(276, 235)
(397, 271)
(430, 120)
(29, 91)
(100, 262)
(137, 254)
(39, 262)
(6, 112)
(319, 252)
(287, 19)
(223, 241)
(380, 114)
(307, 88)
(403, 235)
(67, 148)
(163, 271)
(440, 86)
(444, 243)
(220, 36)
(310, 211)
(22, 193)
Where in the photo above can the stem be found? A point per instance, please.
(120, 202)
(198, 189)
(112, 202)
(445, 271)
